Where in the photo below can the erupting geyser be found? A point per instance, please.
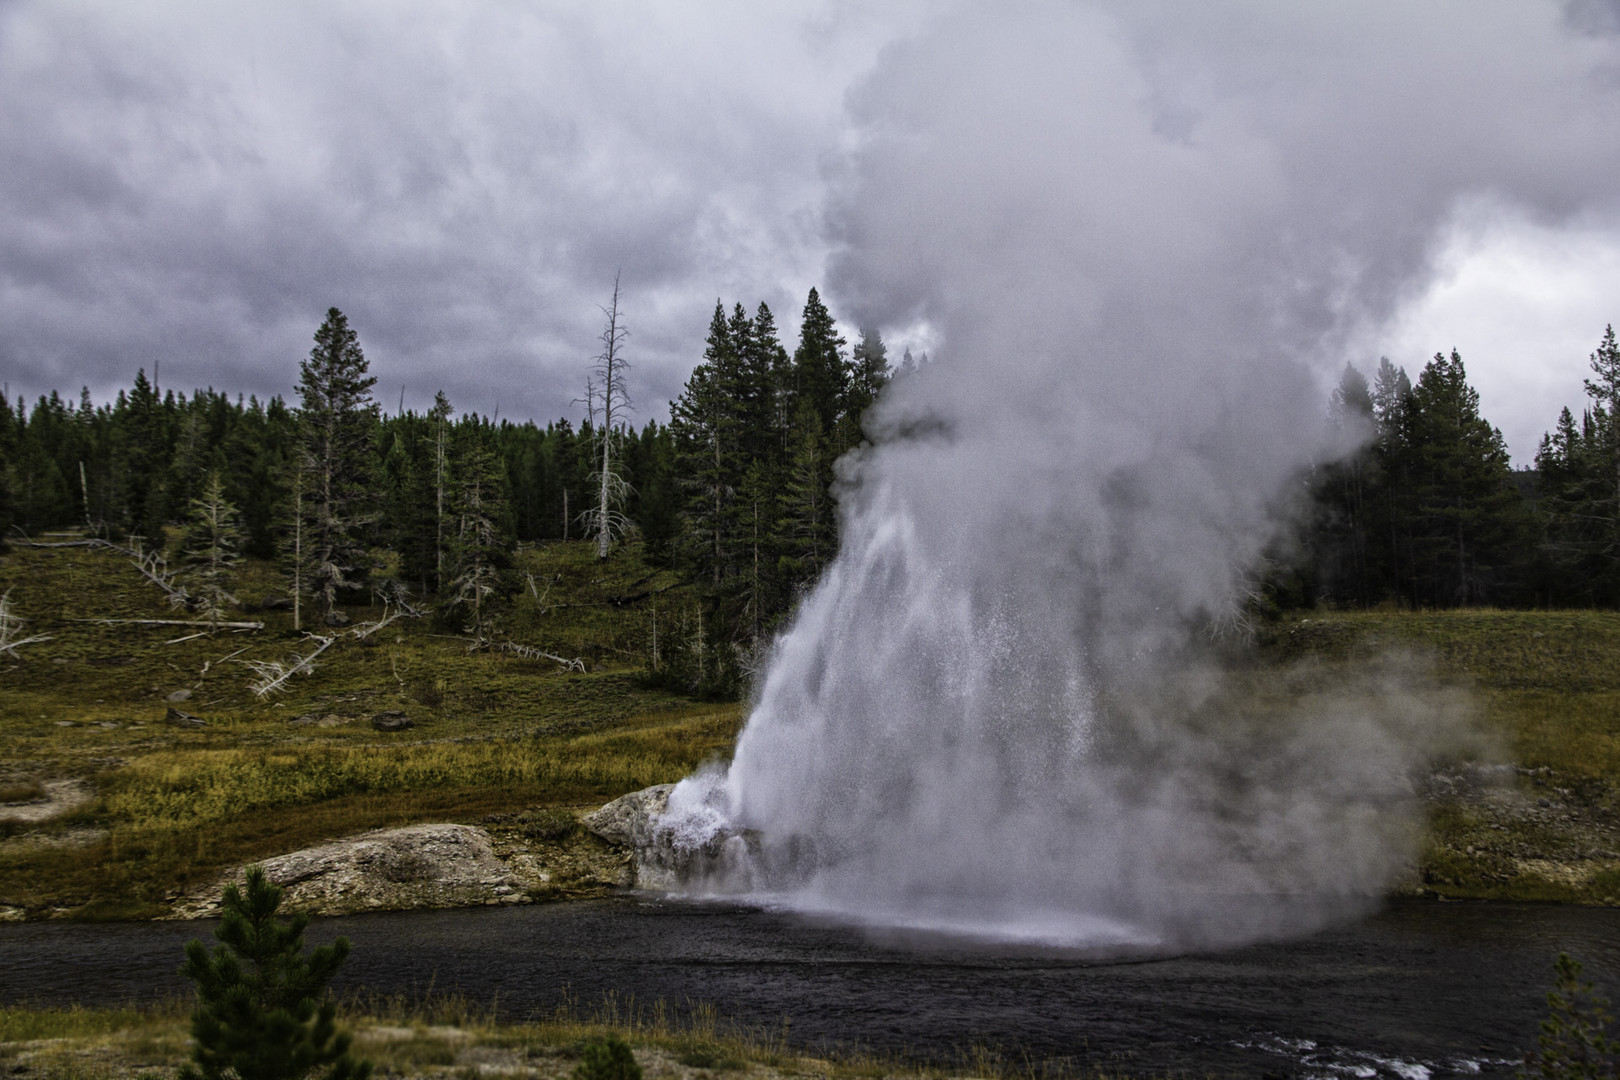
(1139, 232)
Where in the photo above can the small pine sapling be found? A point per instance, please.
(210, 550)
(262, 1011)
(1572, 1043)
(607, 1059)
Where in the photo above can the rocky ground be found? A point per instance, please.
(1500, 831)
(498, 861)
(1533, 833)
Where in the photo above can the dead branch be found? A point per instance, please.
(210, 663)
(365, 630)
(10, 626)
(154, 568)
(187, 637)
(273, 674)
(539, 597)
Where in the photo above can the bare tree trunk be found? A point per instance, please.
(438, 519)
(298, 557)
(608, 385)
(84, 491)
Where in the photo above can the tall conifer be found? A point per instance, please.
(337, 420)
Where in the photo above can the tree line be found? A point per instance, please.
(1430, 513)
(738, 489)
(346, 497)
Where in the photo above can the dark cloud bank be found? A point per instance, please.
(192, 185)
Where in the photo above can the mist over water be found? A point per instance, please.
(1141, 235)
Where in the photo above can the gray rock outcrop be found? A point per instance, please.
(665, 856)
(419, 866)
(629, 820)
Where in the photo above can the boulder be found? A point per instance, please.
(178, 696)
(419, 866)
(672, 851)
(392, 720)
(629, 820)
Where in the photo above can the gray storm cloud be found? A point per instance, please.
(193, 185)
(1140, 233)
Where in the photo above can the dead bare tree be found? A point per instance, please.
(440, 415)
(205, 623)
(529, 652)
(11, 627)
(607, 398)
(273, 675)
(154, 567)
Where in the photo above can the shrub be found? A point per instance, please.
(552, 823)
(1572, 1043)
(607, 1059)
(257, 1015)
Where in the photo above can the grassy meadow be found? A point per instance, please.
(167, 809)
(172, 807)
(1546, 689)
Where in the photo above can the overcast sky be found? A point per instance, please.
(191, 185)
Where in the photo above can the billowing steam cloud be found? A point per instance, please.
(1141, 233)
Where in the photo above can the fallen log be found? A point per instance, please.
(195, 623)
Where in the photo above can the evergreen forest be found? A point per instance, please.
(737, 490)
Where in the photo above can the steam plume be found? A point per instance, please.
(1140, 231)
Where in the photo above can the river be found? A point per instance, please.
(1419, 990)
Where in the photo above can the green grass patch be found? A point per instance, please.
(444, 1035)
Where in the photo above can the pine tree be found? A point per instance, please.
(1602, 499)
(703, 425)
(209, 550)
(8, 457)
(478, 544)
(806, 526)
(1574, 1044)
(868, 374)
(262, 1010)
(1566, 476)
(145, 459)
(337, 418)
(1472, 525)
(1393, 509)
(821, 374)
(1342, 490)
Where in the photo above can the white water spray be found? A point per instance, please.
(1135, 229)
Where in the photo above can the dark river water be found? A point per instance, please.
(1420, 990)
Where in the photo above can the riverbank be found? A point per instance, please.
(448, 1037)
